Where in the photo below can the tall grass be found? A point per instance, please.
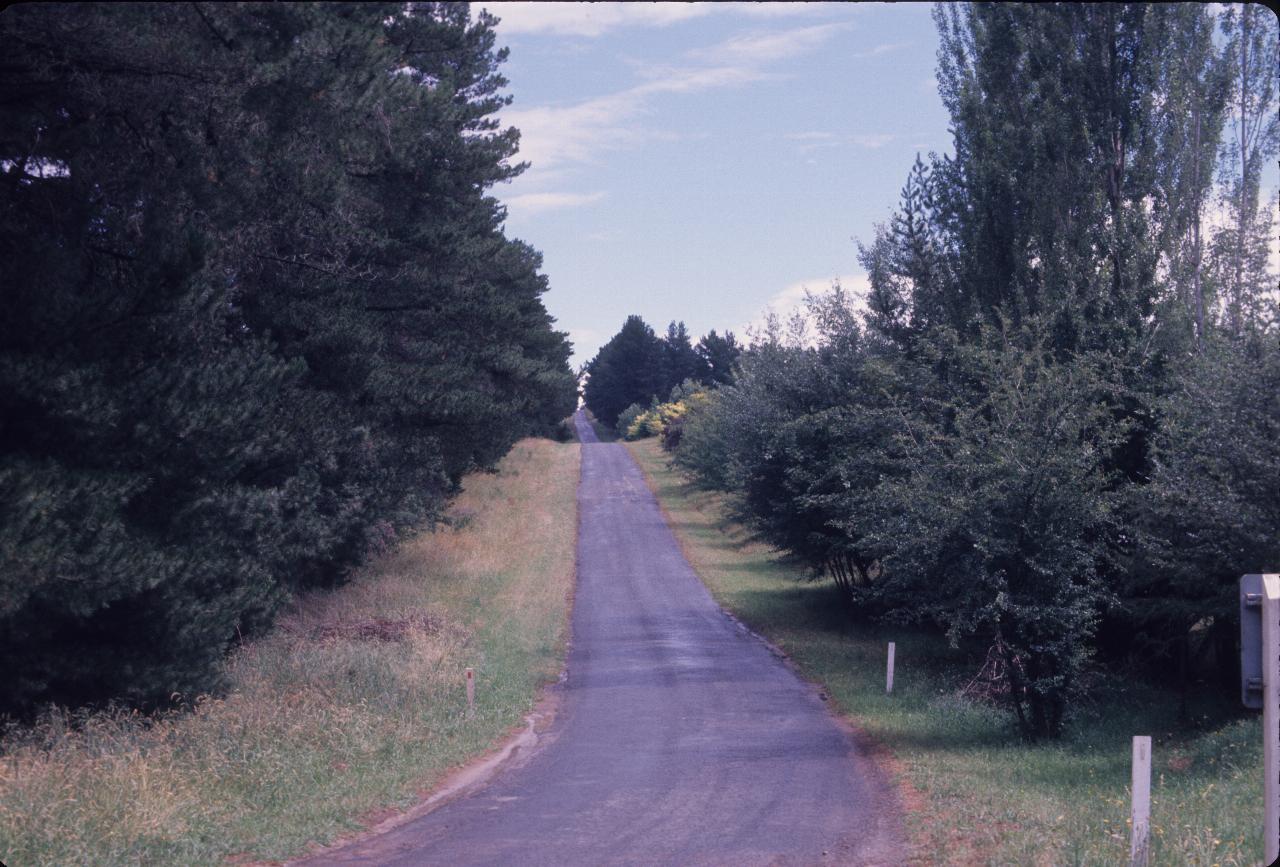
(977, 793)
(353, 704)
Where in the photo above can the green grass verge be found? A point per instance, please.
(976, 793)
(354, 705)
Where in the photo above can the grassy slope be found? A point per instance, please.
(332, 716)
(978, 794)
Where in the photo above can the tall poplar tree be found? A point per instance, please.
(1188, 101)
(1241, 248)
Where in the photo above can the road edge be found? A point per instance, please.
(513, 751)
(887, 775)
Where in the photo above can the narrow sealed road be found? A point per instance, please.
(680, 740)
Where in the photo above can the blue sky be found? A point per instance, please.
(709, 161)
(705, 161)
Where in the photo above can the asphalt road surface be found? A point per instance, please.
(680, 738)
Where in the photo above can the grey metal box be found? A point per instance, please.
(1251, 641)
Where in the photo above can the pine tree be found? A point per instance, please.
(261, 315)
(627, 370)
(680, 360)
(719, 354)
(147, 475)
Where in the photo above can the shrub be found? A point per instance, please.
(1004, 518)
(627, 418)
(1210, 512)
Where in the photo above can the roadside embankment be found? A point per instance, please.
(352, 707)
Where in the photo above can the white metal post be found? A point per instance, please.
(888, 680)
(1139, 848)
(1271, 716)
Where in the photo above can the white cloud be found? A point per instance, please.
(536, 203)
(812, 135)
(782, 10)
(553, 135)
(589, 19)
(790, 300)
(764, 47)
(872, 140)
(883, 48)
(813, 140)
(556, 137)
(689, 79)
(596, 19)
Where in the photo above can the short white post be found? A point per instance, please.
(471, 692)
(1138, 846)
(1271, 717)
(888, 680)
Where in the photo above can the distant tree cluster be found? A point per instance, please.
(636, 367)
(1056, 429)
(260, 317)
(664, 419)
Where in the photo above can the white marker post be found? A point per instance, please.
(888, 680)
(1271, 717)
(471, 692)
(1260, 689)
(1138, 846)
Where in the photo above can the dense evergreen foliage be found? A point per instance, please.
(260, 316)
(1054, 428)
(637, 368)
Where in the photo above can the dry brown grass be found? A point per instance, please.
(353, 704)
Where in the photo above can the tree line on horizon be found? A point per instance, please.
(1053, 430)
(637, 368)
(260, 317)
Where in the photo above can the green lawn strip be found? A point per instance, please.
(320, 733)
(986, 796)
